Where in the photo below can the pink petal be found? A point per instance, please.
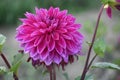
(51, 44)
(67, 36)
(44, 54)
(28, 39)
(109, 12)
(49, 59)
(38, 40)
(36, 57)
(35, 33)
(41, 46)
(62, 42)
(29, 45)
(55, 36)
(57, 59)
(61, 30)
(72, 46)
(58, 49)
(33, 52)
(118, 0)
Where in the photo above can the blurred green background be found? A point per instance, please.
(85, 11)
(11, 10)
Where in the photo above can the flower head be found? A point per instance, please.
(109, 4)
(50, 36)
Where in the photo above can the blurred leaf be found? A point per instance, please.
(44, 72)
(117, 61)
(104, 1)
(88, 27)
(99, 47)
(106, 65)
(102, 29)
(16, 62)
(66, 76)
(88, 77)
(17, 58)
(2, 69)
(8, 76)
(2, 41)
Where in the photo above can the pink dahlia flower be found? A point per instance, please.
(50, 36)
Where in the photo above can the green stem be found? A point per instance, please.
(91, 62)
(90, 48)
(8, 65)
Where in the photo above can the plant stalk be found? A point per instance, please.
(8, 65)
(90, 48)
(52, 72)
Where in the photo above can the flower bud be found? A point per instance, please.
(117, 6)
(109, 4)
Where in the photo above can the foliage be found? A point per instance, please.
(2, 41)
(2, 69)
(99, 47)
(106, 65)
(16, 63)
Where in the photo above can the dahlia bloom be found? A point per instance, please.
(109, 4)
(50, 36)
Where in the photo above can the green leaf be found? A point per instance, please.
(99, 47)
(88, 77)
(2, 69)
(17, 58)
(2, 41)
(44, 72)
(16, 63)
(106, 65)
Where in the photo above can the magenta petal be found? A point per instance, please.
(62, 30)
(48, 61)
(51, 44)
(41, 47)
(55, 36)
(50, 58)
(64, 54)
(35, 33)
(44, 54)
(109, 12)
(57, 59)
(33, 52)
(67, 36)
(62, 42)
(38, 40)
(36, 57)
(28, 39)
(29, 45)
(118, 0)
(58, 49)
(72, 47)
